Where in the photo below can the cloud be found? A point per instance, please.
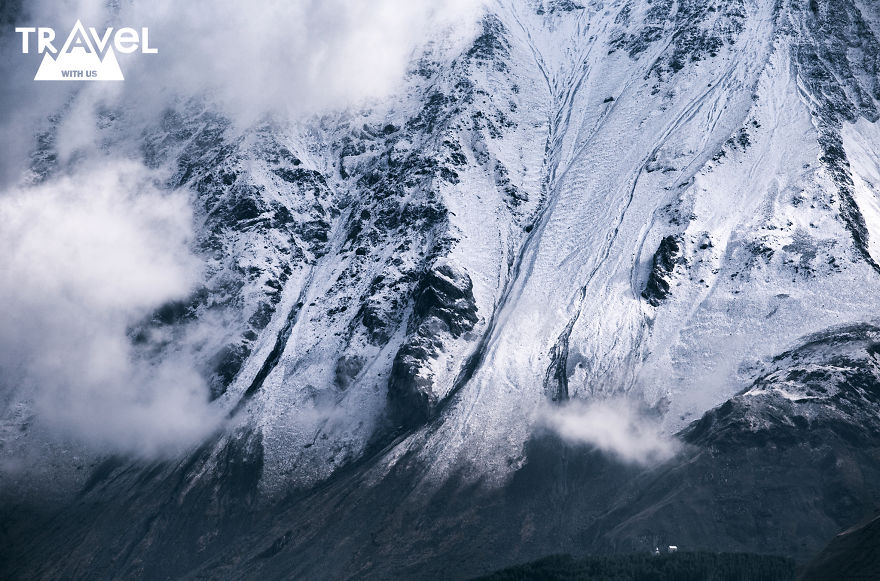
(287, 57)
(301, 56)
(615, 427)
(88, 255)
(84, 258)
(284, 58)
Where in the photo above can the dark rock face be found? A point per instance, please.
(447, 295)
(553, 6)
(838, 60)
(253, 238)
(702, 29)
(831, 383)
(784, 465)
(780, 468)
(653, 20)
(444, 306)
(556, 378)
(665, 259)
(491, 46)
(851, 555)
(347, 369)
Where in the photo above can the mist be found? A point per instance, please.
(93, 245)
(616, 427)
(85, 257)
(288, 58)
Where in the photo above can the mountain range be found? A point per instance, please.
(602, 279)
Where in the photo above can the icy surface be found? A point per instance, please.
(543, 166)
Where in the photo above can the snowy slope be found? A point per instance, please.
(673, 202)
(592, 199)
(723, 156)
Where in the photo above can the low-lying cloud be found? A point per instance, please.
(616, 427)
(85, 257)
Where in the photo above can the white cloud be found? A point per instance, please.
(288, 57)
(281, 57)
(301, 56)
(88, 255)
(613, 426)
(84, 258)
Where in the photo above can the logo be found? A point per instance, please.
(85, 55)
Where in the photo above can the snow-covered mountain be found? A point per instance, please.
(670, 202)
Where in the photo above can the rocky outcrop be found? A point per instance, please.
(444, 309)
(838, 59)
(831, 382)
(665, 259)
(264, 218)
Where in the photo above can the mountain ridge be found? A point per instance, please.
(663, 202)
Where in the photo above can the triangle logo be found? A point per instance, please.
(79, 61)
